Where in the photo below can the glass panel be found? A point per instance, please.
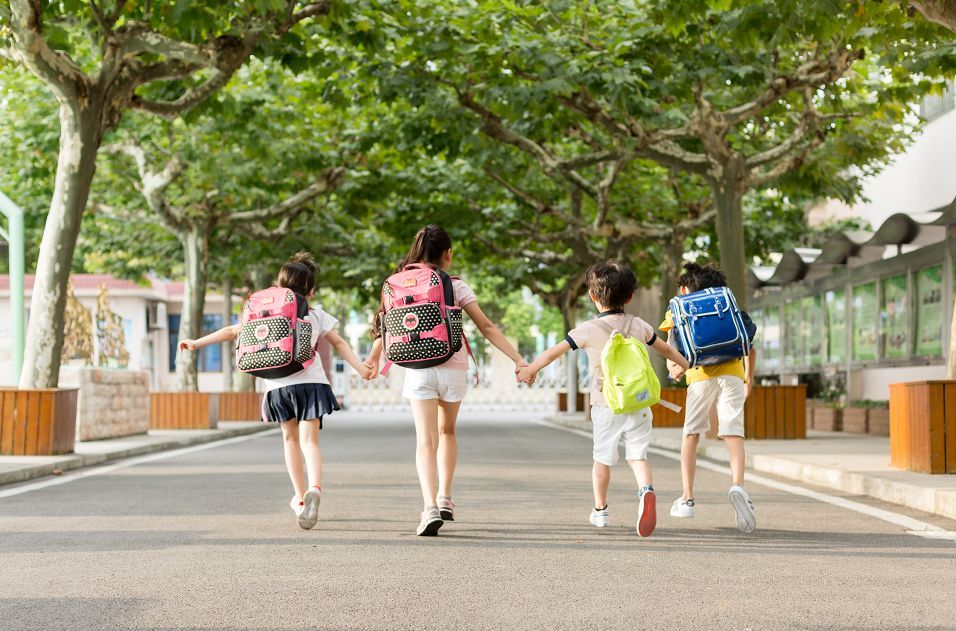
(836, 326)
(929, 312)
(173, 323)
(210, 357)
(771, 341)
(894, 319)
(811, 332)
(864, 322)
(793, 352)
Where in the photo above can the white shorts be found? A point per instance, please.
(610, 428)
(729, 394)
(445, 384)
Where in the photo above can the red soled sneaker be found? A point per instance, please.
(646, 511)
(310, 508)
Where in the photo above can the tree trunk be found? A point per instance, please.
(671, 262)
(569, 307)
(80, 136)
(730, 236)
(196, 250)
(227, 347)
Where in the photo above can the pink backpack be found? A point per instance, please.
(275, 334)
(421, 326)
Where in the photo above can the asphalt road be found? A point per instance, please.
(205, 540)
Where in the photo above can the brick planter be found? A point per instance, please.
(827, 418)
(856, 419)
(810, 406)
(563, 402)
(923, 426)
(879, 422)
(38, 422)
(240, 406)
(112, 403)
(183, 410)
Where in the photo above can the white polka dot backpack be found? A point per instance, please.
(275, 334)
(421, 325)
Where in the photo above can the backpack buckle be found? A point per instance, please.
(264, 346)
(415, 336)
(408, 299)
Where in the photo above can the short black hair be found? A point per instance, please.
(612, 283)
(697, 277)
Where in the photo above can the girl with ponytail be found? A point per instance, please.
(436, 393)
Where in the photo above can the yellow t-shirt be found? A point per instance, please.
(734, 367)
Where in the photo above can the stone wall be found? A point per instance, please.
(112, 402)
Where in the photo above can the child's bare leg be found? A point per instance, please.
(426, 449)
(309, 441)
(642, 472)
(293, 456)
(735, 449)
(447, 445)
(688, 463)
(601, 478)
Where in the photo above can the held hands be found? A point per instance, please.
(524, 373)
(675, 371)
(371, 363)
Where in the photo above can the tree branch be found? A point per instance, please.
(327, 181)
(795, 161)
(56, 69)
(542, 207)
(809, 122)
(153, 184)
(807, 75)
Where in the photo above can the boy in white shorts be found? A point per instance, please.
(610, 287)
(725, 385)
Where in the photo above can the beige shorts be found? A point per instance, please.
(610, 429)
(729, 394)
(445, 384)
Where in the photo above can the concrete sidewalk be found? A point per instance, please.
(853, 463)
(20, 468)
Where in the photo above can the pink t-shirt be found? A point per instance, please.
(591, 337)
(463, 296)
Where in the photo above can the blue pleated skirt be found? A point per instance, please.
(301, 402)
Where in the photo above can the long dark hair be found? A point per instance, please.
(428, 246)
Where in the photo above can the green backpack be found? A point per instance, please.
(630, 383)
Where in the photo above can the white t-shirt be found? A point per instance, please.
(591, 338)
(322, 323)
(463, 296)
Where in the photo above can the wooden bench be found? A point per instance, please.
(240, 406)
(39, 422)
(771, 412)
(183, 410)
(923, 426)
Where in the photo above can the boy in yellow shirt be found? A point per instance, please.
(727, 385)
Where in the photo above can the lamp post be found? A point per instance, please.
(13, 235)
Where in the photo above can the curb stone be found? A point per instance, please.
(69, 462)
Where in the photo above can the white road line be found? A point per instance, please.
(912, 526)
(129, 462)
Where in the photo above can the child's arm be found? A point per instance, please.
(528, 373)
(345, 351)
(492, 333)
(225, 334)
(671, 354)
(750, 368)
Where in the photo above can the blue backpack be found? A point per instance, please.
(709, 327)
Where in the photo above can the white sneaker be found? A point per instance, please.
(744, 509)
(682, 507)
(310, 508)
(296, 505)
(599, 517)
